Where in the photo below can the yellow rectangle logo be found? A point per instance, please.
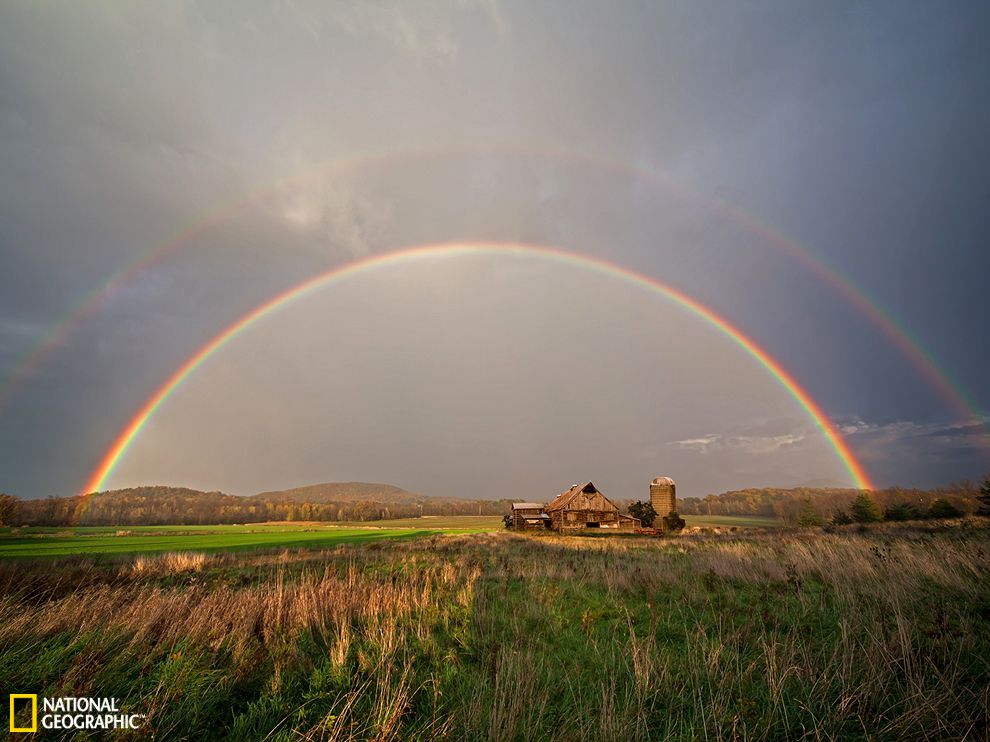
(34, 712)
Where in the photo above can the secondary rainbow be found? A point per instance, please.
(900, 337)
(126, 437)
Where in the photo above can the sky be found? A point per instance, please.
(170, 166)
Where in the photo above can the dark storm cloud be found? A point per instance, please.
(857, 129)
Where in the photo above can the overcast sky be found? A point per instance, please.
(335, 131)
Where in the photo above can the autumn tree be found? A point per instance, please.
(9, 507)
(983, 499)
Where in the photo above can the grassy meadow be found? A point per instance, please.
(34, 541)
(880, 634)
(30, 542)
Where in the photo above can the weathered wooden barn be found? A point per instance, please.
(584, 506)
(528, 515)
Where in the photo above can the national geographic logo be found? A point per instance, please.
(70, 713)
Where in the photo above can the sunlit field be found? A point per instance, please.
(731, 521)
(34, 541)
(753, 634)
(90, 540)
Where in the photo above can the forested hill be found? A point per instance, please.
(786, 503)
(160, 505)
(342, 492)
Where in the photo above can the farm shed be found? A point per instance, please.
(628, 523)
(583, 506)
(529, 515)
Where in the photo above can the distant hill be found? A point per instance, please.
(161, 505)
(342, 492)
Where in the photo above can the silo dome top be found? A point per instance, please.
(663, 480)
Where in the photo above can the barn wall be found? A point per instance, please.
(585, 508)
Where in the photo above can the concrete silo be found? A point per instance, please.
(663, 496)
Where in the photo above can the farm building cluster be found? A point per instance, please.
(584, 506)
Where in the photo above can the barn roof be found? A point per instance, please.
(526, 506)
(561, 500)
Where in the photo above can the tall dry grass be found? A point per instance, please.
(501, 636)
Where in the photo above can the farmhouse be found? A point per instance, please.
(584, 506)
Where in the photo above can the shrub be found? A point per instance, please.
(673, 522)
(841, 518)
(902, 511)
(864, 509)
(943, 509)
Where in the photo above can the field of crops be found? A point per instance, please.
(92, 540)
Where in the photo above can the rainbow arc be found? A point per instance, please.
(912, 349)
(98, 479)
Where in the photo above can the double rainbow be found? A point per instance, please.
(130, 432)
(920, 358)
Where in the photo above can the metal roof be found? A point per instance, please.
(526, 505)
(663, 480)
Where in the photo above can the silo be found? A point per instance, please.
(663, 496)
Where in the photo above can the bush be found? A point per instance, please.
(864, 509)
(673, 522)
(943, 509)
(902, 511)
(841, 518)
(645, 511)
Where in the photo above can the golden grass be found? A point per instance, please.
(400, 617)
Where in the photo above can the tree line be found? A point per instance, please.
(179, 506)
(789, 504)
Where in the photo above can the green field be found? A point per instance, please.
(92, 540)
(39, 542)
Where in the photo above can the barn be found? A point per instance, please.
(584, 506)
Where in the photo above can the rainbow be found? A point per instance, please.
(126, 437)
(912, 348)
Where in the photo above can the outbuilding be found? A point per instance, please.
(529, 515)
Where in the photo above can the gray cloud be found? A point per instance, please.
(860, 131)
(713, 443)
